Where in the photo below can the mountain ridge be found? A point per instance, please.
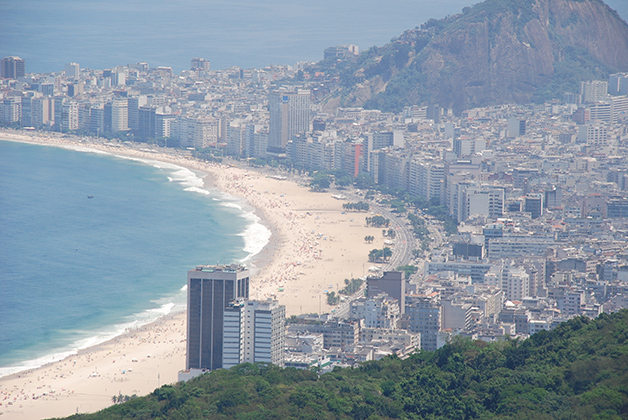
(498, 51)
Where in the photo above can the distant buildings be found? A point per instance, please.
(340, 52)
(200, 64)
(12, 67)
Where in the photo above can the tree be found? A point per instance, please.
(375, 255)
(364, 181)
(321, 181)
(343, 181)
(408, 270)
(387, 253)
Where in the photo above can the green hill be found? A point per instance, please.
(577, 371)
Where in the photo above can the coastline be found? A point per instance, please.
(314, 245)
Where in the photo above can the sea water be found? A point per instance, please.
(245, 33)
(92, 244)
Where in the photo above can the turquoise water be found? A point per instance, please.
(76, 270)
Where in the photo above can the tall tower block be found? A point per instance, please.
(210, 290)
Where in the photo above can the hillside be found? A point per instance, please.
(577, 371)
(498, 51)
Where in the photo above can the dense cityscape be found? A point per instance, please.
(538, 191)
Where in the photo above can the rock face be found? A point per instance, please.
(498, 51)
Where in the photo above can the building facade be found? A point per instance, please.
(210, 291)
(289, 115)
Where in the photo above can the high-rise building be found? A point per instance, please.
(134, 104)
(146, 122)
(516, 127)
(163, 123)
(200, 64)
(534, 205)
(119, 115)
(11, 109)
(424, 316)
(211, 289)
(289, 115)
(41, 112)
(97, 119)
(264, 332)
(69, 116)
(392, 283)
(72, 70)
(594, 90)
(12, 67)
(618, 84)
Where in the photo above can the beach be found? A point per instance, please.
(315, 245)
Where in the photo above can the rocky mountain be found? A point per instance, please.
(498, 51)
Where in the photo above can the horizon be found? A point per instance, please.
(228, 34)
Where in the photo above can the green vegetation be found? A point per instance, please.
(351, 286)
(332, 298)
(377, 221)
(408, 270)
(208, 154)
(397, 205)
(321, 181)
(369, 239)
(440, 213)
(359, 206)
(577, 371)
(389, 233)
(119, 399)
(380, 255)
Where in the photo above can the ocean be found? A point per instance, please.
(92, 244)
(99, 35)
(245, 33)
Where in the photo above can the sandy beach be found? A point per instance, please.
(314, 246)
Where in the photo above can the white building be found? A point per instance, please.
(119, 115)
(380, 311)
(253, 332)
(594, 90)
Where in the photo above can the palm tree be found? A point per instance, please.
(387, 253)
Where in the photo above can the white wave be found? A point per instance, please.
(165, 306)
(256, 236)
(175, 173)
(79, 148)
(231, 205)
(198, 190)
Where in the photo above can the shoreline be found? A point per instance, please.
(314, 245)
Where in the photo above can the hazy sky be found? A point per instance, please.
(102, 34)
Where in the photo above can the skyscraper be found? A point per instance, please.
(72, 70)
(289, 115)
(12, 67)
(211, 289)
